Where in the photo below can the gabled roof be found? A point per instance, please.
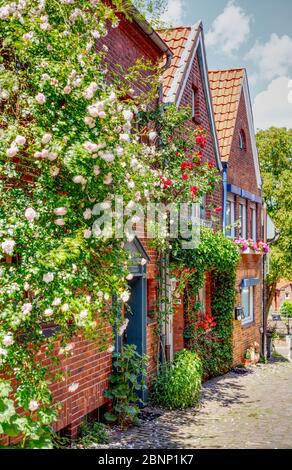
(227, 87)
(181, 41)
(185, 42)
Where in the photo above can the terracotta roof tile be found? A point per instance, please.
(226, 86)
(178, 40)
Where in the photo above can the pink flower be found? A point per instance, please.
(8, 246)
(8, 340)
(87, 233)
(48, 277)
(87, 214)
(60, 222)
(30, 214)
(12, 151)
(26, 308)
(46, 138)
(40, 98)
(60, 211)
(33, 405)
(20, 140)
(48, 312)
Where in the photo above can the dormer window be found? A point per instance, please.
(242, 140)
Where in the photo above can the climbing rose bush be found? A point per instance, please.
(69, 141)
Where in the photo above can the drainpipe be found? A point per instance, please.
(224, 181)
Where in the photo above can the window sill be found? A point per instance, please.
(247, 324)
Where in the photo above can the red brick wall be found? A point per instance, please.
(202, 118)
(87, 366)
(250, 266)
(241, 172)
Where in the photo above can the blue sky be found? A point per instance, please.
(256, 34)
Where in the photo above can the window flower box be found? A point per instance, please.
(247, 247)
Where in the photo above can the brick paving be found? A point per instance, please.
(253, 410)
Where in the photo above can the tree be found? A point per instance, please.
(275, 154)
(286, 309)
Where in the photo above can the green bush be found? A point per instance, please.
(178, 384)
(94, 432)
(286, 308)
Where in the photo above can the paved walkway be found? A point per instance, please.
(237, 411)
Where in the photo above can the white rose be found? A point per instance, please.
(8, 246)
(60, 211)
(108, 179)
(96, 170)
(26, 308)
(46, 138)
(87, 233)
(30, 214)
(12, 151)
(40, 98)
(48, 312)
(48, 277)
(79, 179)
(33, 405)
(87, 214)
(56, 302)
(8, 340)
(124, 137)
(128, 115)
(20, 140)
(60, 222)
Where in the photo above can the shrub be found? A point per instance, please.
(178, 384)
(129, 377)
(94, 432)
(286, 308)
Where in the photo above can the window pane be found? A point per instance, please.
(253, 225)
(245, 302)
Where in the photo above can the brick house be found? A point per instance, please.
(131, 40)
(186, 83)
(283, 293)
(242, 198)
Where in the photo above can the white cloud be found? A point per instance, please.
(174, 12)
(273, 106)
(273, 58)
(230, 29)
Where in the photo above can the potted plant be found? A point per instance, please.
(247, 358)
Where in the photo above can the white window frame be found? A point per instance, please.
(243, 228)
(251, 296)
(231, 200)
(253, 225)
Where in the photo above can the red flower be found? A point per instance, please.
(210, 165)
(218, 209)
(166, 182)
(201, 140)
(184, 176)
(186, 166)
(194, 190)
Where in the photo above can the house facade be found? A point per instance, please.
(282, 294)
(242, 201)
(186, 84)
(133, 39)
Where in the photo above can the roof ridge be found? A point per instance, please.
(226, 70)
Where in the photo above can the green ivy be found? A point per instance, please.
(218, 256)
